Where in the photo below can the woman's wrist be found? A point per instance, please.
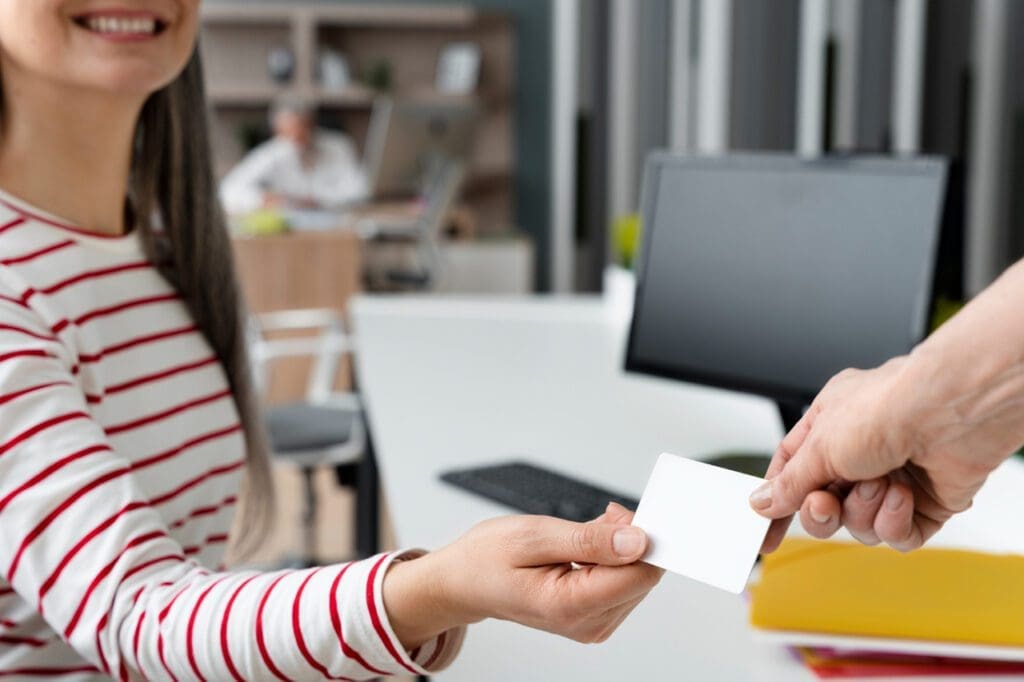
(417, 600)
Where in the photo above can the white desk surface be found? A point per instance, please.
(451, 383)
(460, 382)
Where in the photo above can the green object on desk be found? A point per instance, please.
(626, 237)
(263, 223)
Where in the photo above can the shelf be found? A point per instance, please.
(415, 16)
(356, 97)
(481, 180)
(451, 16)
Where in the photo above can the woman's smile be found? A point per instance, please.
(122, 25)
(125, 48)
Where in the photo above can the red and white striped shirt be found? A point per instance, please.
(121, 455)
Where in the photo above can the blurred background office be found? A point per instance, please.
(572, 95)
(497, 146)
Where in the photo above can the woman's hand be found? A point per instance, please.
(572, 579)
(888, 453)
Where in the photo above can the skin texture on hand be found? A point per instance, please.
(893, 452)
(576, 580)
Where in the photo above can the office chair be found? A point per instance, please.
(324, 429)
(426, 232)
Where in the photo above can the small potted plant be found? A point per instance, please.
(619, 280)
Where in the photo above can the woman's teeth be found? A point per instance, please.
(122, 25)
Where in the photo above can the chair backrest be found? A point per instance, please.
(443, 187)
(327, 348)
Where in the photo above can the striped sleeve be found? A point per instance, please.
(81, 544)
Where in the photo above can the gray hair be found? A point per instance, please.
(173, 198)
(291, 103)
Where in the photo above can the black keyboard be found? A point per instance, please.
(535, 490)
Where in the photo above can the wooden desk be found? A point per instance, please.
(319, 269)
(298, 270)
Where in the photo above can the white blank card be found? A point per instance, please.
(699, 522)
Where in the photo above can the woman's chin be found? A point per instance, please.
(127, 80)
(128, 68)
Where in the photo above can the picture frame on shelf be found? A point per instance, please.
(333, 70)
(281, 64)
(458, 68)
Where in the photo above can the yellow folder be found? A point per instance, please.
(931, 594)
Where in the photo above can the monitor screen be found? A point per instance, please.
(769, 274)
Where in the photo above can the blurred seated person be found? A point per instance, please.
(301, 167)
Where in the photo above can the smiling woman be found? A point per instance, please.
(128, 428)
(123, 25)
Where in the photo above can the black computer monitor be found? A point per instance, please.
(769, 274)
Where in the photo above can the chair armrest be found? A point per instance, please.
(327, 348)
(333, 344)
(300, 318)
(345, 401)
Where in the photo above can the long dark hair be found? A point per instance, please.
(173, 198)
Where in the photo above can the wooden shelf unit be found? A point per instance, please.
(237, 38)
(446, 16)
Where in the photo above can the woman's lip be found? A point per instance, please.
(126, 37)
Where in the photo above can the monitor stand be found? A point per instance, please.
(791, 413)
(756, 463)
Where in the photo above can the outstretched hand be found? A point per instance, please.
(868, 455)
(579, 580)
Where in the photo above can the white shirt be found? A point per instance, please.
(334, 178)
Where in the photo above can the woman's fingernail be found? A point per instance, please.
(893, 499)
(628, 542)
(820, 518)
(868, 489)
(762, 497)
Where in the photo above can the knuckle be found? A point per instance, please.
(788, 488)
(526, 526)
(514, 536)
(583, 540)
(847, 373)
(838, 377)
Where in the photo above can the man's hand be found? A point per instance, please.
(893, 452)
(873, 454)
